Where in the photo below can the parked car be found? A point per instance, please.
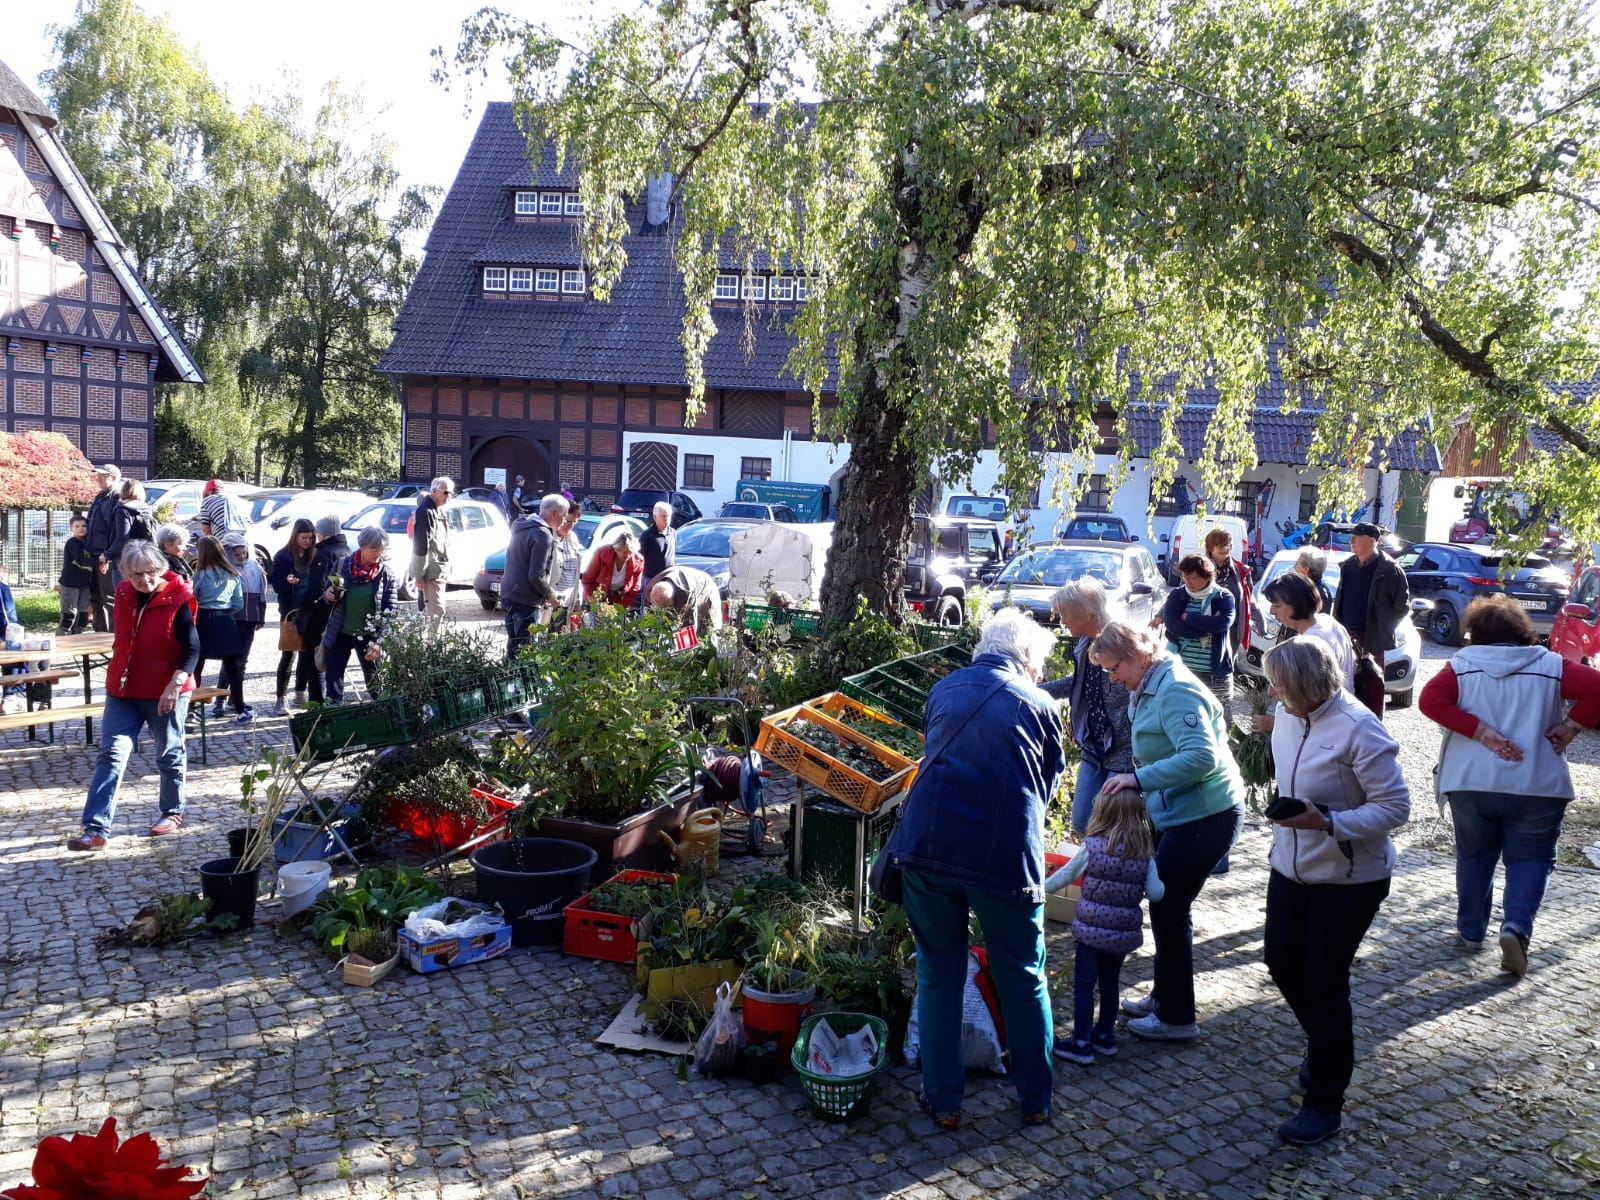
(704, 545)
(593, 530)
(1096, 527)
(1445, 578)
(988, 508)
(1575, 633)
(185, 495)
(1132, 578)
(1335, 535)
(641, 502)
(947, 555)
(271, 534)
(1399, 664)
(1188, 536)
(758, 512)
(477, 530)
(252, 507)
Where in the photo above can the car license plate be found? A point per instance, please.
(1534, 605)
(494, 585)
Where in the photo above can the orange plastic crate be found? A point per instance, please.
(822, 770)
(837, 705)
(606, 936)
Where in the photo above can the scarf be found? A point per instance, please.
(360, 572)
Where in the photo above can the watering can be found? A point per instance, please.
(700, 840)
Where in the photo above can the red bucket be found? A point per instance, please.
(776, 1016)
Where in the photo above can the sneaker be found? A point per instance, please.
(1466, 945)
(1140, 1006)
(299, 699)
(218, 709)
(1308, 1127)
(1104, 1044)
(88, 843)
(1153, 1029)
(278, 708)
(245, 717)
(169, 823)
(1074, 1051)
(1513, 951)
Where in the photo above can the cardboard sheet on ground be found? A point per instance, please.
(778, 558)
(630, 1030)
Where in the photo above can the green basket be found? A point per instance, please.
(799, 620)
(332, 731)
(934, 637)
(878, 689)
(838, 1099)
(941, 661)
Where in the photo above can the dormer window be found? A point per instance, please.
(547, 204)
(549, 281)
(727, 287)
(574, 205)
(755, 287)
(572, 283)
(522, 279)
(494, 279)
(546, 282)
(527, 204)
(552, 204)
(782, 289)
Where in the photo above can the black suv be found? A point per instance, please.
(641, 502)
(1444, 579)
(947, 554)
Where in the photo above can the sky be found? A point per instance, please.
(380, 47)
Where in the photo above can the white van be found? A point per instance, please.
(1188, 536)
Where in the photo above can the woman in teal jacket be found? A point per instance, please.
(1195, 798)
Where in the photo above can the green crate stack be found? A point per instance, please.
(876, 688)
(934, 637)
(349, 727)
(799, 620)
(828, 837)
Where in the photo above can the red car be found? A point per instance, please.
(1576, 633)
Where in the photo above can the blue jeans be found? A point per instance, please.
(1091, 778)
(1094, 970)
(1013, 933)
(1185, 857)
(1520, 829)
(118, 728)
(518, 619)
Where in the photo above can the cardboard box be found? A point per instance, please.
(1061, 906)
(438, 954)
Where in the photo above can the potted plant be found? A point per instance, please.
(606, 764)
(444, 680)
(361, 918)
(372, 954)
(267, 787)
(429, 790)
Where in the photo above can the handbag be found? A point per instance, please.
(1369, 684)
(289, 639)
(885, 877)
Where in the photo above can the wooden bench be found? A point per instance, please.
(39, 689)
(198, 699)
(35, 717)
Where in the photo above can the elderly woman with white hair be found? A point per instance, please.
(1097, 705)
(172, 541)
(359, 592)
(1195, 798)
(971, 840)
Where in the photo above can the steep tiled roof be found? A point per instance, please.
(18, 96)
(1281, 437)
(447, 326)
(549, 244)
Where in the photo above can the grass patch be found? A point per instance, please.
(39, 612)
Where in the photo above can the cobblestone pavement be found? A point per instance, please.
(249, 1059)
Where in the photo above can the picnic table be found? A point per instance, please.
(88, 650)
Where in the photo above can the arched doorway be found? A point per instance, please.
(515, 456)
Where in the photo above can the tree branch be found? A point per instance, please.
(1358, 252)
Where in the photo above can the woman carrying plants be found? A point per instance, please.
(358, 592)
(220, 594)
(154, 661)
(1195, 798)
(616, 572)
(291, 579)
(1340, 792)
(971, 840)
(1098, 706)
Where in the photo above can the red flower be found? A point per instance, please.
(99, 1167)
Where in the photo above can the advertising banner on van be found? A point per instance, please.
(810, 501)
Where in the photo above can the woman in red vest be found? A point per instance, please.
(148, 683)
(616, 572)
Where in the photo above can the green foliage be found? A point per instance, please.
(180, 450)
(415, 662)
(175, 919)
(380, 900)
(435, 774)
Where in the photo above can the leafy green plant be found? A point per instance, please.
(415, 661)
(380, 899)
(176, 918)
(374, 945)
(435, 775)
(1252, 750)
(627, 899)
(267, 787)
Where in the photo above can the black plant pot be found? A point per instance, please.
(236, 840)
(533, 880)
(231, 890)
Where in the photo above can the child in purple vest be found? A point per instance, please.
(1118, 866)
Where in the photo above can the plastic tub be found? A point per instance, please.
(300, 883)
(533, 880)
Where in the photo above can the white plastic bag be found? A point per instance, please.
(841, 1056)
(717, 1051)
(426, 926)
(980, 1040)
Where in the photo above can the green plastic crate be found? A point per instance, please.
(934, 637)
(878, 689)
(828, 840)
(799, 620)
(350, 727)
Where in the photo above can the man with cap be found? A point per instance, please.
(102, 529)
(217, 516)
(1373, 596)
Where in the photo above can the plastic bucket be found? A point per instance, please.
(230, 890)
(776, 1016)
(532, 880)
(300, 883)
(236, 840)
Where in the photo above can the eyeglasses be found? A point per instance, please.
(1111, 668)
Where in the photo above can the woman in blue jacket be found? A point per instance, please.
(1199, 619)
(1195, 798)
(971, 840)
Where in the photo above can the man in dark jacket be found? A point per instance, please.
(1373, 596)
(658, 544)
(430, 549)
(533, 570)
(312, 619)
(102, 528)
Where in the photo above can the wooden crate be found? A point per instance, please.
(822, 770)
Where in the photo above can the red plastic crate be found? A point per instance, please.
(606, 936)
(449, 829)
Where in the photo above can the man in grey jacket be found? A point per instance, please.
(533, 569)
(430, 549)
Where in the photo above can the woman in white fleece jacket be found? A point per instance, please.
(1330, 863)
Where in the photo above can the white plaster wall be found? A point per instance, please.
(809, 462)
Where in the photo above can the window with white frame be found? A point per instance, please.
(572, 283)
(727, 288)
(782, 287)
(755, 287)
(548, 280)
(494, 279)
(800, 288)
(574, 205)
(551, 204)
(522, 279)
(527, 204)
